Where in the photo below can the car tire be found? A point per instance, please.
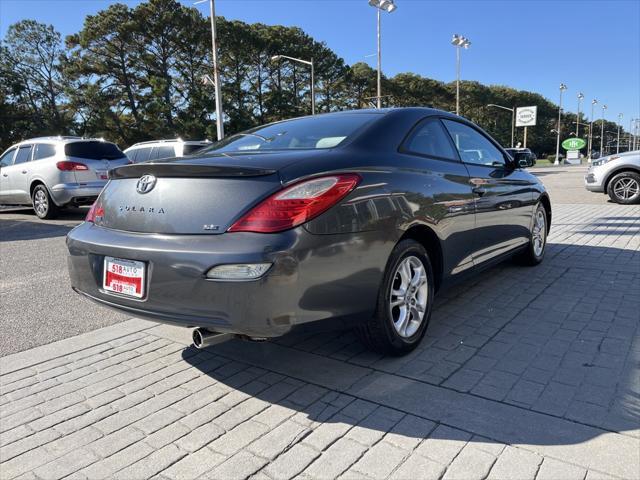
(43, 204)
(624, 188)
(396, 328)
(533, 254)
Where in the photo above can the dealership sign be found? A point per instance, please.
(574, 143)
(526, 116)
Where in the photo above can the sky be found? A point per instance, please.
(592, 46)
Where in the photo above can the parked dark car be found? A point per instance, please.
(360, 216)
(523, 156)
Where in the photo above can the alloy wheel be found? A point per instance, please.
(626, 188)
(539, 233)
(409, 296)
(40, 202)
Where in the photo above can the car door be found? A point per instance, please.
(504, 195)
(6, 162)
(18, 175)
(448, 200)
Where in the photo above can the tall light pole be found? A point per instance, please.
(593, 104)
(459, 42)
(604, 107)
(580, 97)
(563, 87)
(216, 76)
(513, 119)
(275, 58)
(387, 6)
(618, 141)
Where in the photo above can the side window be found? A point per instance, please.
(143, 154)
(43, 150)
(473, 146)
(429, 138)
(23, 155)
(165, 152)
(132, 154)
(7, 159)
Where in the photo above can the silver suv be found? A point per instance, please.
(158, 149)
(617, 175)
(53, 172)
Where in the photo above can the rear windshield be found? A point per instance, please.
(93, 150)
(321, 132)
(189, 149)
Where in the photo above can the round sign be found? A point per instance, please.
(574, 143)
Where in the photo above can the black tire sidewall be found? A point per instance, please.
(402, 250)
(615, 179)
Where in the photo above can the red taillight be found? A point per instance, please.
(67, 166)
(296, 204)
(96, 211)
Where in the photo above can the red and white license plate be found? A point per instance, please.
(125, 277)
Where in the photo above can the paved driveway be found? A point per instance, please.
(524, 373)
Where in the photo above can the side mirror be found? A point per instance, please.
(523, 160)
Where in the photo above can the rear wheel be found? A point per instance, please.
(42, 203)
(624, 188)
(404, 302)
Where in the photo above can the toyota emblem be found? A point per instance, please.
(146, 183)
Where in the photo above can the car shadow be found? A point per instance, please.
(546, 356)
(25, 225)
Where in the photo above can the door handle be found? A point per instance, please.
(24, 171)
(479, 191)
(5, 174)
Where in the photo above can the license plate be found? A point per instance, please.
(125, 277)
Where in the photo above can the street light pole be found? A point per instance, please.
(618, 141)
(580, 97)
(275, 58)
(388, 6)
(563, 87)
(513, 119)
(458, 41)
(593, 104)
(604, 107)
(216, 75)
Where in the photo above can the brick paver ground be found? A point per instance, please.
(524, 373)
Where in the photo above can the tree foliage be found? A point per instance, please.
(135, 73)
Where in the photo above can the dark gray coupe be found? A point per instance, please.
(359, 216)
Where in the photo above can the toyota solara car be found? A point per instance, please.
(357, 216)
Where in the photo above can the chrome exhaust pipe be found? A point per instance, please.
(203, 338)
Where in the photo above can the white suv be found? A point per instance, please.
(158, 149)
(52, 172)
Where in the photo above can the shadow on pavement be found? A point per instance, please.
(27, 226)
(527, 355)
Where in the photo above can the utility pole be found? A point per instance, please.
(216, 75)
(563, 87)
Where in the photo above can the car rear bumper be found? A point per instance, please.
(82, 193)
(313, 277)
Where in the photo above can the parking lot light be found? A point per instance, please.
(459, 42)
(580, 98)
(604, 107)
(593, 104)
(388, 6)
(276, 58)
(513, 119)
(619, 124)
(563, 87)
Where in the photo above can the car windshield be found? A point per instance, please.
(321, 132)
(93, 150)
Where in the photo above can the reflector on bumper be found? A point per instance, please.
(239, 271)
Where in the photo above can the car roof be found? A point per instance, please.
(170, 141)
(60, 139)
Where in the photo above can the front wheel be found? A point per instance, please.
(534, 253)
(624, 188)
(404, 302)
(43, 204)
